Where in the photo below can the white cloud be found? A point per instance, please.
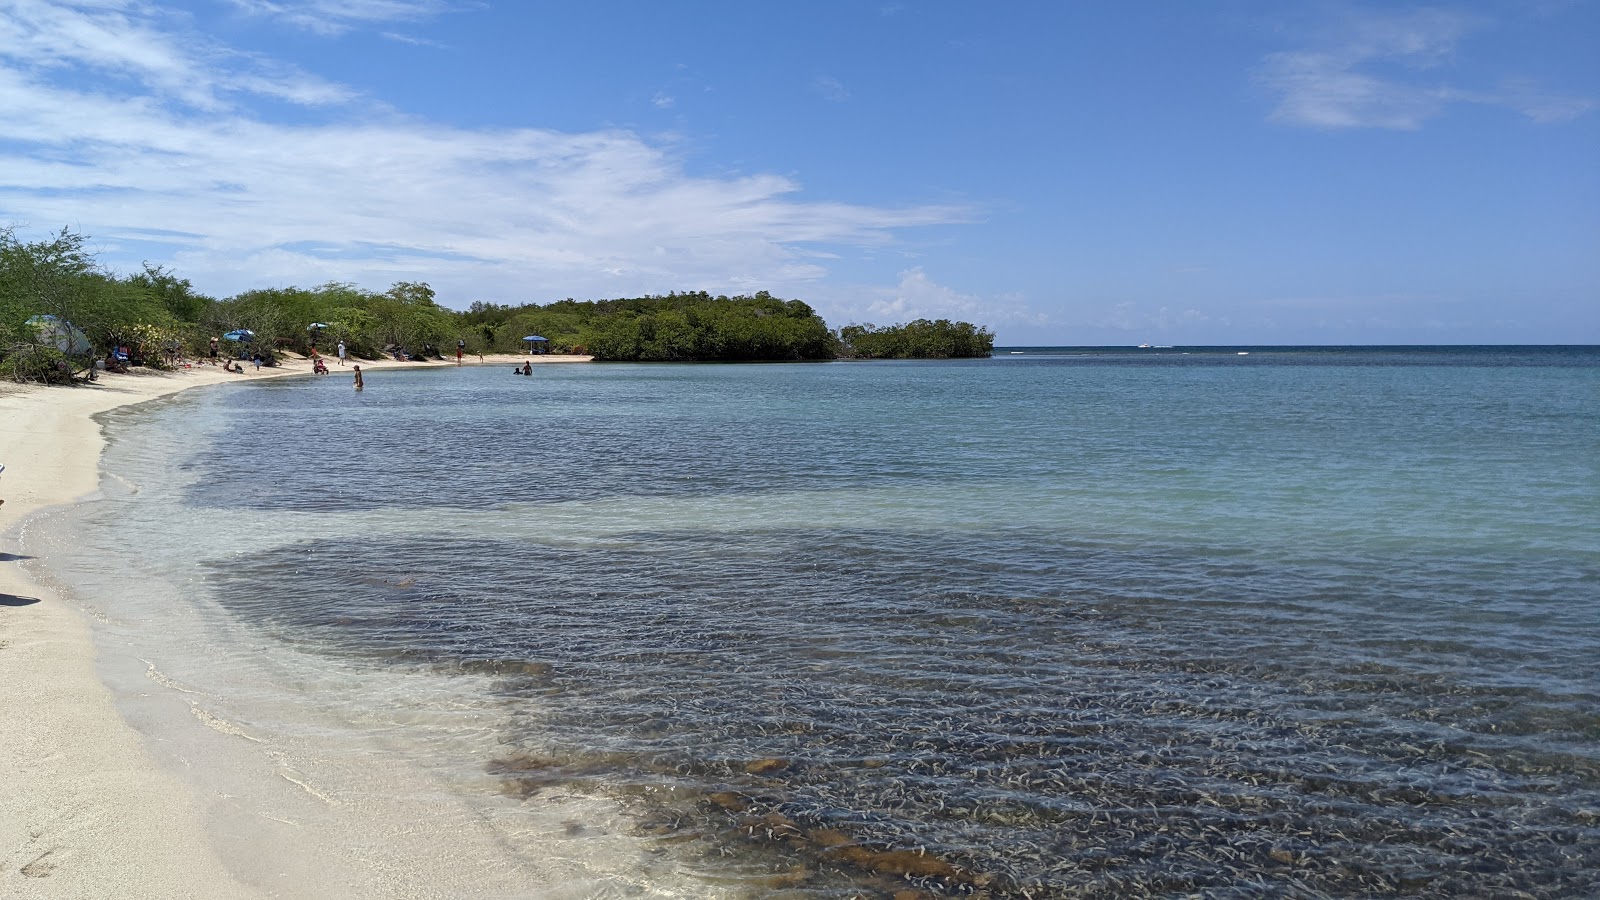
(331, 17)
(1373, 70)
(1538, 104)
(114, 40)
(507, 213)
(1323, 91)
(830, 88)
(410, 39)
(917, 296)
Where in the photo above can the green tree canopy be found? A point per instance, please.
(155, 308)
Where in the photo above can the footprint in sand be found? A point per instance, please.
(39, 868)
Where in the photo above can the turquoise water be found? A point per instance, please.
(1286, 623)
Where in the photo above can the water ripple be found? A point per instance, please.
(870, 709)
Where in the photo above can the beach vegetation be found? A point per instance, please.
(920, 339)
(39, 363)
(59, 308)
(158, 317)
(177, 295)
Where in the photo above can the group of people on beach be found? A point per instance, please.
(237, 368)
(321, 367)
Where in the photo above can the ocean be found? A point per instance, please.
(1230, 622)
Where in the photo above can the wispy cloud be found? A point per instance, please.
(1137, 321)
(917, 296)
(1392, 70)
(128, 40)
(373, 197)
(830, 88)
(410, 39)
(338, 16)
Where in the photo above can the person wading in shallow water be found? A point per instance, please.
(358, 378)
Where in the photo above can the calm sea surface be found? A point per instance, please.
(1289, 622)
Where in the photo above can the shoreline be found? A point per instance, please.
(89, 809)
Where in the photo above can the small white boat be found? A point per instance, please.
(1244, 352)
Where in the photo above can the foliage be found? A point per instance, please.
(37, 362)
(157, 315)
(678, 327)
(59, 277)
(921, 339)
(174, 293)
(697, 326)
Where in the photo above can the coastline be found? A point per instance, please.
(88, 808)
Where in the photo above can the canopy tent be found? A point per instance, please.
(535, 341)
(65, 336)
(242, 334)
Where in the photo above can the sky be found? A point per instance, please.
(1076, 173)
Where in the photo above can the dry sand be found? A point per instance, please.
(85, 810)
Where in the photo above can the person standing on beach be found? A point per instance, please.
(358, 378)
(213, 351)
(461, 348)
(341, 353)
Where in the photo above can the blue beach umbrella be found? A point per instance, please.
(243, 334)
(534, 339)
(316, 326)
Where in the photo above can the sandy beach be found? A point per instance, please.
(87, 809)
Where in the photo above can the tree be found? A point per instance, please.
(60, 278)
(412, 293)
(919, 339)
(176, 294)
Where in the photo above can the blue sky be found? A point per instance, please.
(1078, 173)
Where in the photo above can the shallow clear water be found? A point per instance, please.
(1055, 623)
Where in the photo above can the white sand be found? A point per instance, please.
(85, 808)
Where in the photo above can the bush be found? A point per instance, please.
(37, 363)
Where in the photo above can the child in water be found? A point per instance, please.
(358, 378)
